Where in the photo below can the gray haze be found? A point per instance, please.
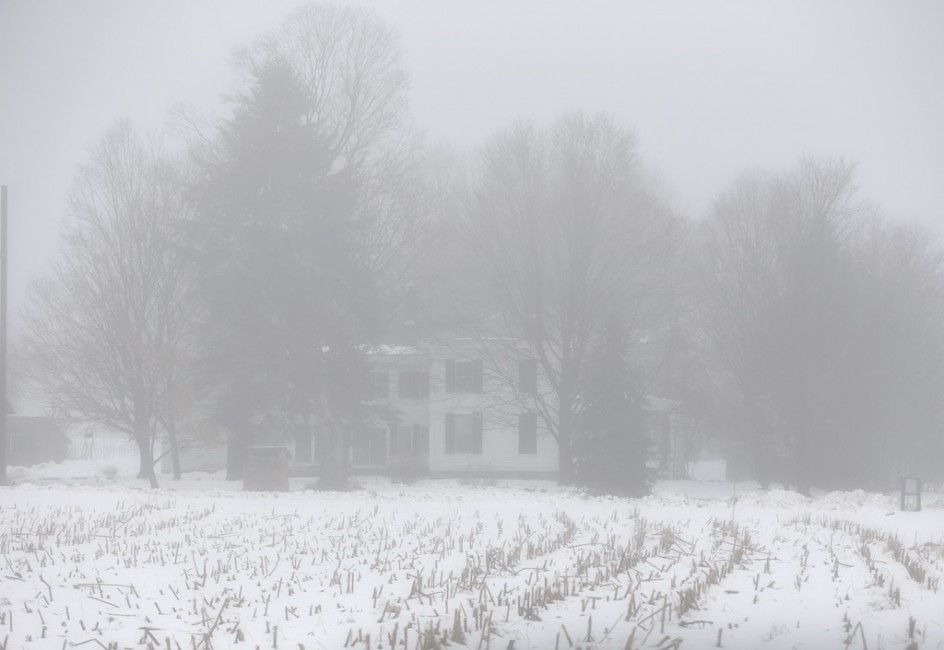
(711, 88)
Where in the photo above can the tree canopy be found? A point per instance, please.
(108, 327)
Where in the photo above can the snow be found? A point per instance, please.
(91, 557)
(393, 350)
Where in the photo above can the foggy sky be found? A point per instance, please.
(711, 88)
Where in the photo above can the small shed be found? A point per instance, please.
(266, 469)
(666, 440)
(34, 440)
(739, 462)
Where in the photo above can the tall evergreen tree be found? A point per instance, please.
(306, 220)
(610, 445)
(288, 295)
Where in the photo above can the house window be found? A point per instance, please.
(413, 384)
(305, 448)
(409, 439)
(369, 447)
(379, 384)
(463, 433)
(420, 439)
(464, 376)
(404, 439)
(527, 433)
(528, 376)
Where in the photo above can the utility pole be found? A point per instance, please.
(3, 335)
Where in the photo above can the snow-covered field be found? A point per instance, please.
(94, 560)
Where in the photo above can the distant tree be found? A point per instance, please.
(304, 226)
(824, 323)
(431, 285)
(775, 289)
(896, 357)
(347, 64)
(610, 439)
(560, 231)
(107, 331)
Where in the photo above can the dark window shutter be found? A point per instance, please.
(528, 376)
(477, 376)
(477, 433)
(393, 440)
(527, 433)
(424, 385)
(450, 434)
(450, 376)
(378, 450)
(420, 440)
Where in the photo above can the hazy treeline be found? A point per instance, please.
(235, 283)
(820, 325)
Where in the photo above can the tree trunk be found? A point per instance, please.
(761, 464)
(333, 471)
(236, 450)
(566, 391)
(803, 475)
(174, 448)
(759, 435)
(565, 459)
(142, 458)
(332, 452)
(143, 440)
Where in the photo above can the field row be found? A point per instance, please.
(397, 571)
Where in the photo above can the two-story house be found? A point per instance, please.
(457, 408)
(466, 407)
(482, 414)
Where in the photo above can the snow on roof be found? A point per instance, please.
(660, 404)
(385, 350)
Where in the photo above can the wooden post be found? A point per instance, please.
(3, 335)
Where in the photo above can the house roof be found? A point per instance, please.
(392, 350)
(660, 404)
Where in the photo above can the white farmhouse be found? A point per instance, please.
(461, 408)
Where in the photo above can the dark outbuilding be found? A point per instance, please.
(34, 440)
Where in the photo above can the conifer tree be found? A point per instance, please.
(610, 445)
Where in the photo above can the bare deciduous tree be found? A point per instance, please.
(896, 356)
(563, 233)
(106, 327)
(822, 321)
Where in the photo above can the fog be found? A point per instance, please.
(712, 89)
(691, 229)
(509, 316)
